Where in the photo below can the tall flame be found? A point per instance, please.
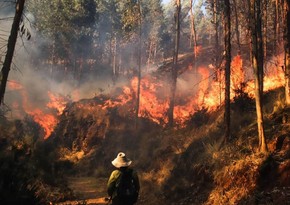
(45, 118)
(154, 97)
(57, 102)
(210, 92)
(151, 104)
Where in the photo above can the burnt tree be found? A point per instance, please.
(193, 31)
(237, 32)
(255, 23)
(10, 48)
(174, 65)
(227, 29)
(287, 50)
(139, 66)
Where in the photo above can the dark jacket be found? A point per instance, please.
(111, 186)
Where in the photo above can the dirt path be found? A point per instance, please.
(88, 190)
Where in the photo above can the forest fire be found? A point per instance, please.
(152, 105)
(271, 81)
(84, 80)
(154, 98)
(57, 102)
(45, 118)
(46, 121)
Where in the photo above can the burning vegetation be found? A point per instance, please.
(81, 131)
(99, 78)
(205, 92)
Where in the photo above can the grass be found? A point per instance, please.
(187, 166)
(191, 167)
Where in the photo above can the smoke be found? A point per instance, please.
(38, 78)
(6, 17)
(188, 82)
(7, 7)
(35, 82)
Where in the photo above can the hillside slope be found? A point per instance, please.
(196, 169)
(186, 165)
(190, 165)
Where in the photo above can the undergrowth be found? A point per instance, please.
(195, 167)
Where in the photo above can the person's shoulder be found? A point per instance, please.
(116, 172)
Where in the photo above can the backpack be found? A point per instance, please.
(125, 187)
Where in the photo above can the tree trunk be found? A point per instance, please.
(257, 64)
(139, 67)
(174, 65)
(216, 26)
(193, 32)
(276, 26)
(53, 59)
(149, 54)
(111, 51)
(155, 52)
(260, 48)
(115, 58)
(265, 32)
(237, 27)
(287, 50)
(10, 48)
(227, 29)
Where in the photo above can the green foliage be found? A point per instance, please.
(130, 15)
(67, 24)
(81, 30)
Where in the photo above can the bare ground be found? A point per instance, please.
(88, 190)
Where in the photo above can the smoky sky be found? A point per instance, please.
(37, 81)
(34, 83)
(6, 16)
(7, 7)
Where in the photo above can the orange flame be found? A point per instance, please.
(210, 93)
(154, 98)
(45, 119)
(14, 85)
(150, 105)
(197, 50)
(274, 78)
(57, 102)
(237, 73)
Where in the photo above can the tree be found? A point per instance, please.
(115, 33)
(287, 50)
(193, 30)
(237, 32)
(265, 29)
(153, 27)
(174, 65)
(215, 10)
(257, 64)
(10, 48)
(139, 65)
(227, 29)
(277, 25)
(69, 26)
